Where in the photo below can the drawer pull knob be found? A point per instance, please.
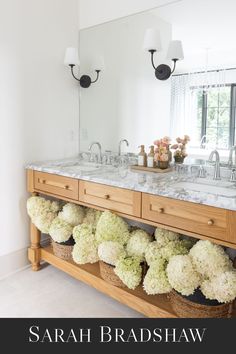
(107, 196)
(161, 210)
(67, 187)
(210, 222)
(44, 181)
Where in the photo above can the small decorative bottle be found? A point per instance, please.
(142, 157)
(150, 158)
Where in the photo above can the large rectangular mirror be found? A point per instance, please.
(129, 102)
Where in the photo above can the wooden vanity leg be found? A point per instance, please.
(34, 252)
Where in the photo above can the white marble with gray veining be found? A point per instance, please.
(158, 184)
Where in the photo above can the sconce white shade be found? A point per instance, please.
(71, 56)
(175, 50)
(152, 40)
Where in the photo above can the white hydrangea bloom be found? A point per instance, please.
(82, 231)
(165, 236)
(156, 281)
(60, 231)
(43, 221)
(182, 275)
(152, 253)
(221, 288)
(129, 271)
(173, 248)
(35, 206)
(111, 227)
(42, 212)
(210, 259)
(85, 250)
(110, 252)
(138, 242)
(92, 216)
(73, 214)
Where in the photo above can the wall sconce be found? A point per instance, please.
(152, 43)
(71, 60)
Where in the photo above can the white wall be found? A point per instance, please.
(38, 101)
(93, 12)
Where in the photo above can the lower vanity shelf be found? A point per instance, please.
(157, 306)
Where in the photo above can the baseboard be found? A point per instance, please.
(16, 261)
(13, 262)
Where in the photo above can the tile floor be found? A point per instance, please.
(52, 293)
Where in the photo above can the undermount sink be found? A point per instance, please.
(207, 188)
(89, 167)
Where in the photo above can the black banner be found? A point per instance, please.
(72, 335)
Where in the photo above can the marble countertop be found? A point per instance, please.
(172, 184)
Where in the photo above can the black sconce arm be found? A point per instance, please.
(162, 71)
(85, 80)
(174, 67)
(152, 51)
(72, 72)
(98, 72)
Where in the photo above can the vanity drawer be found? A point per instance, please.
(56, 185)
(196, 218)
(116, 199)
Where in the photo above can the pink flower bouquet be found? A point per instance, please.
(180, 147)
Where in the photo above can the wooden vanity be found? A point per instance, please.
(196, 220)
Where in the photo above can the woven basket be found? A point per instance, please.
(185, 308)
(62, 251)
(107, 273)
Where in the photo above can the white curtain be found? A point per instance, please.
(183, 107)
(184, 95)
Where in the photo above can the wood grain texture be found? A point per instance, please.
(229, 233)
(56, 185)
(151, 169)
(30, 181)
(150, 306)
(34, 252)
(188, 216)
(112, 198)
(231, 226)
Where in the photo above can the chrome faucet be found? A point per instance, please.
(120, 143)
(230, 162)
(100, 150)
(217, 164)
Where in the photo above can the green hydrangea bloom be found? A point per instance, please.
(129, 271)
(60, 231)
(73, 214)
(82, 231)
(111, 227)
(173, 248)
(138, 242)
(92, 217)
(156, 281)
(85, 250)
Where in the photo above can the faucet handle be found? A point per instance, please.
(233, 175)
(202, 173)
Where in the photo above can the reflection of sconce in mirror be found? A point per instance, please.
(72, 59)
(152, 43)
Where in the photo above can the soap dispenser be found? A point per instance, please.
(142, 157)
(150, 158)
